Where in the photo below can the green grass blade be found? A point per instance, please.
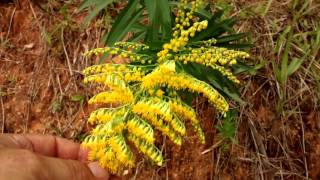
(284, 60)
(295, 64)
(99, 5)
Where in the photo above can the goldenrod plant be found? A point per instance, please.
(145, 94)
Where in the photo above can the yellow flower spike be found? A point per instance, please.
(144, 111)
(112, 97)
(113, 165)
(148, 149)
(141, 129)
(112, 81)
(161, 109)
(107, 155)
(226, 72)
(104, 115)
(116, 125)
(181, 81)
(183, 110)
(92, 155)
(176, 138)
(102, 68)
(95, 141)
(122, 150)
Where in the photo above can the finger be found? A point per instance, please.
(24, 164)
(97, 170)
(67, 169)
(45, 145)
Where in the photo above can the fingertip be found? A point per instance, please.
(83, 154)
(98, 172)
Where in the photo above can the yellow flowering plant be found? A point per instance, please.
(144, 95)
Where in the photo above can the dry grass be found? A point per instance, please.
(277, 115)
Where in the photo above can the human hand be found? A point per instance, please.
(37, 157)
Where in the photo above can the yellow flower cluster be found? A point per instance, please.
(115, 126)
(109, 68)
(97, 69)
(183, 110)
(226, 72)
(107, 97)
(187, 113)
(95, 142)
(104, 115)
(166, 76)
(148, 95)
(181, 36)
(113, 81)
(123, 152)
(211, 56)
(99, 51)
(129, 75)
(200, 132)
(148, 149)
(161, 119)
(177, 43)
(141, 129)
(116, 51)
(157, 107)
(209, 43)
(111, 151)
(107, 158)
(183, 18)
(131, 46)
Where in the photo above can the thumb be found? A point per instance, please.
(66, 169)
(97, 171)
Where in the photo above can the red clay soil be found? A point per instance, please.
(36, 88)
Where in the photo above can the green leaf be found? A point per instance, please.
(241, 68)
(281, 39)
(126, 19)
(159, 19)
(98, 6)
(294, 65)
(138, 36)
(215, 78)
(284, 60)
(232, 37)
(227, 128)
(241, 46)
(215, 29)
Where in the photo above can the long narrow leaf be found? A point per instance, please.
(126, 19)
(159, 20)
(284, 60)
(232, 37)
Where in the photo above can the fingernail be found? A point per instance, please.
(97, 171)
